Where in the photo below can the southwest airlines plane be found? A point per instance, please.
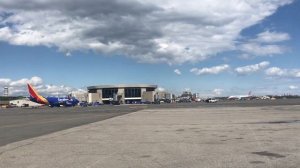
(51, 101)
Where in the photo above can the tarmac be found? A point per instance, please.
(22, 123)
(206, 137)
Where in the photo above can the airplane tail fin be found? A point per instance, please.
(35, 95)
(249, 94)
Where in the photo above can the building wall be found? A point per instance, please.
(81, 96)
(122, 93)
(100, 95)
(148, 96)
(161, 95)
(94, 97)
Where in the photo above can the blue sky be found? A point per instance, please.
(253, 47)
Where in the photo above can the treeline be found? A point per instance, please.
(9, 98)
(287, 97)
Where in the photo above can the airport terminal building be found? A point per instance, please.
(124, 93)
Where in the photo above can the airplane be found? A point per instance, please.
(240, 97)
(51, 101)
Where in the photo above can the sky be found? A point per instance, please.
(209, 47)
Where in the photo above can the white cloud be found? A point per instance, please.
(160, 89)
(68, 54)
(245, 56)
(187, 89)
(262, 50)
(19, 87)
(218, 92)
(293, 87)
(252, 68)
(4, 82)
(264, 45)
(272, 37)
(275, 71)
(278, 72)
(212, 70)
(20, 82)
(34, 81)
(177, 71)
(55, 90)
(170, 31)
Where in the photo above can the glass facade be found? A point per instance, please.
(132, 92)
(109, 93)
(93, 91)
(150, 89)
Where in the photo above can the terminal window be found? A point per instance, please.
(93, 91)
(109, 93)
(150, 89)
(132, 92)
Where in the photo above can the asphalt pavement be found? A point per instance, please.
(193, 137)
(22, 123)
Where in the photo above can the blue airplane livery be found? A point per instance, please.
(51, 101)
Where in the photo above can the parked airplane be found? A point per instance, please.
(51, 101)
(240, 97)
(211, 100)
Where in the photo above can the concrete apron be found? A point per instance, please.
(232, 137)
